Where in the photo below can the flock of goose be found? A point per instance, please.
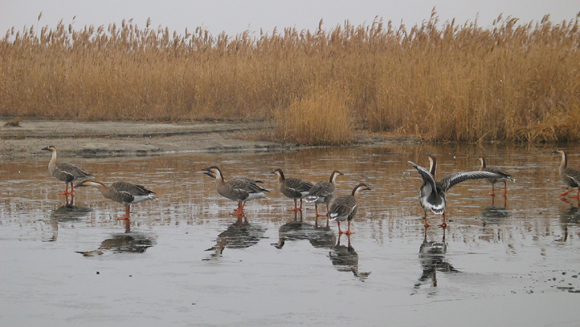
(338, 208)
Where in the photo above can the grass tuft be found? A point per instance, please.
(323, 117)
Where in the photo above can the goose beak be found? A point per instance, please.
(47, 149)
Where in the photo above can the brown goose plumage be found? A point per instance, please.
(323, 192)
(294, 188)
(238, 189)
(569, 175)
(122, 192)
(344, 207)
(66, 172)
(492, 181)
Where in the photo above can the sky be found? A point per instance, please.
(236, 16)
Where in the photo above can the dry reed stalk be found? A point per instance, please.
(322, 118)
(442, 82)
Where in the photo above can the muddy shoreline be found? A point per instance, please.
(91, 139)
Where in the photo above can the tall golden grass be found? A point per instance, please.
(322, 117)
(439, 81)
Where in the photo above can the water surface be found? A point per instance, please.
(184, 260)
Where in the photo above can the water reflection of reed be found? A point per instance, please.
(297, 229)
(238, 235)
(432, 259)
(345, 258)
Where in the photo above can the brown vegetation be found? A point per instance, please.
(437, 81)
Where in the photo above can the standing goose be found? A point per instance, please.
(66, 172)
(492, 181)
(344, 207)
(236, 189)
(294, 188)
(323, 192)
(432, 193)
(570, 176)
(122, 192)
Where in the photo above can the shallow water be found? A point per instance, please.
(183, 260)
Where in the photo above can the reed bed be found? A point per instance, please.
(438, 81)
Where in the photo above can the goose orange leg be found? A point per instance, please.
(296, 206)
(492, 190)
(340, 232)
(443, 224)
(66, 192)
(127, 213)
(316, 208)
(425, 219)
(577, 196)
(565, 193)
(504, 189)
(348, 231)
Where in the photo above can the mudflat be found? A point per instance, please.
(138, 138)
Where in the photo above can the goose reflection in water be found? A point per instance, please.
(432, 258)
(65, 213)
(345, 258)
(494, 215)
(297, 229)
(132, 242)
(239, 235)
(570, 216)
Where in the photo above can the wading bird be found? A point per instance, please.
(294, 188)
(236, 189)
(569, 175)
(344, 207)
(66, 172)
(122, 192)
(492, 181)
(323, 192)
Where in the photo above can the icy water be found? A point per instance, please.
(513, 261)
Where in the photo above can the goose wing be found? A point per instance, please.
(322, 189)
(573, 173)
(342, 206)
(298, 185)
(242, 187)
(131, 188)
(425, 175)
(450, 180)
(500, 171)
(72, 170)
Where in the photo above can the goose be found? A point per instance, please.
(344, 207)
(492, 181)
(569, 175)
(236, 189)
(66, 172)
(294, 188)
(432, 193)
(122, 192)
(323, 192)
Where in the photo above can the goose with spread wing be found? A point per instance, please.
(432, 192)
